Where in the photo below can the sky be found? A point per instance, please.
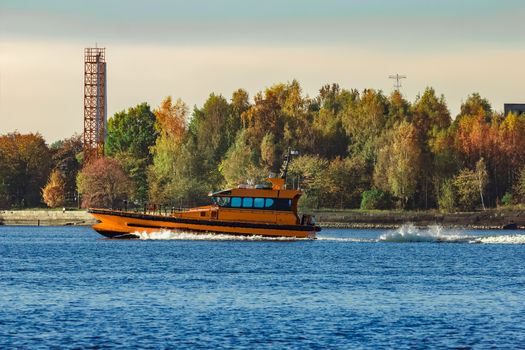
(189, 49)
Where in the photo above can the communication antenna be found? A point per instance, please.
(397, 78)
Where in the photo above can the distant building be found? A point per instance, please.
(517, 108)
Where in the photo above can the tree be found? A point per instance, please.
(329, 138)
(475, 105)
(346, 179)
(364, 120)
(240, 165)
(399, 162)
(175, 175)
(429, 112)
(520, 185)
(103, 183)
(447, 196)
(130, 136)
(25, 167)
(54, 191)
(470, 185)
(482, 179)
(65, 159)
(398, 109)
(375, 199)
(310, 171)
(429, 115)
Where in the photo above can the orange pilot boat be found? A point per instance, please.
(262, 210)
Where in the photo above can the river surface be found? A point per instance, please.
(66, 287)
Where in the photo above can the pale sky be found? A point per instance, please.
(189, 49)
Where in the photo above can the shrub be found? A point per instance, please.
(447, 197)
(375, 199)
(507, 199)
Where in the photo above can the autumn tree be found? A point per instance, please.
(399, 162)
(103, 183)
(346, 179)
(175, 175)
(519, 187)
(54, 191)
(25, 167)
(470, 186)
(65, 156)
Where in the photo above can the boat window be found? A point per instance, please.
(236, 202)
(247, 202)
(258, 202)
(284, 204)
(223, 201)
(269, 203)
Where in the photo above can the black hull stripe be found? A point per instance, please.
(202, 222)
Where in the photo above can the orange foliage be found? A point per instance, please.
(53, 193)
(171, 118)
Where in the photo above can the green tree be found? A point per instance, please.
(447, 196)
(375, 199)
(364, 121)
(240, 165)
(130, 135)
(310, 171)
(328, 137)
(475, 105)
(175, 176)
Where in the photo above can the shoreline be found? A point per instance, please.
(351, 219)
(483, 220)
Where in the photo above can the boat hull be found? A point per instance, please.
(120, 224)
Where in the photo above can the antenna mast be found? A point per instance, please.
(397, 78)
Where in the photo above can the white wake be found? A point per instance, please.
(191, 236)
(407, 233)
(434, 233)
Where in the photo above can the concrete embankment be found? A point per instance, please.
(489, 219)
(45, 217)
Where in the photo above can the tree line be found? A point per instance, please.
(357, 149)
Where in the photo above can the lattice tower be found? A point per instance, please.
(95, 103)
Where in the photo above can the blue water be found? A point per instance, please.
(64, 287)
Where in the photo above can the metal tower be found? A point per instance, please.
(95, 103)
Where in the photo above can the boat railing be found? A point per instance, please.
(151, 208)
